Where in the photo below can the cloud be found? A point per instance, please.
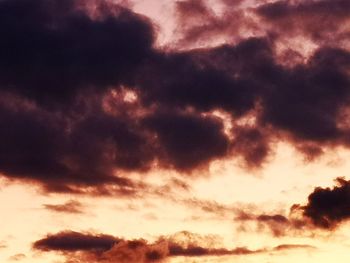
(293, 246)
(3, 244)
(324, 22)
(17, 257)
(80, 247)
(87, 97)
(188, 140)
(275, 218)
(199, 24)
(279, 225)
(253, 144)
(87, 247)
(72, 207)
(104, 248)
(319, 20)
(75, 241)
(328, 207)
(58, 47)
(221, 211)
(196, 251)
(66, 154)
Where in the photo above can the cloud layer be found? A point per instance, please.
(86, 94)
(79, 247)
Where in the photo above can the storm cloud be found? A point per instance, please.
(57, 47)
(86, 95)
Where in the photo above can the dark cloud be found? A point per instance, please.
(188, 140)
(309, 100)
(305, 101)
(277, 224)
(328, 207)
(252, 144)
(293, 246)
(41, 146)
(71, 207)
(285, 9)
(304, 104)
(205, 82)
(320, 20)
(104, 248)
(197, 251)
(275, 218)
(75, 241)
(77, 247)
(57, 48)
(85, 95)
(29, 143)
(79, 154)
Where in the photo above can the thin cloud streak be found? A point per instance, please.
(71, 207)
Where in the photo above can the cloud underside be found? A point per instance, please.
(77, 247)
(86, 94)
(326, 209)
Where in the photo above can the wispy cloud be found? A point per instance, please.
(72, 207)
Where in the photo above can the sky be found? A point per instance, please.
(175, 131)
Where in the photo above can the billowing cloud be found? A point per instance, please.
(69, 153)
(182, 138)
(55, 51)
(328, 207)
(59, 47)
(85, 95)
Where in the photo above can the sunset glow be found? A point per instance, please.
(175, 131)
